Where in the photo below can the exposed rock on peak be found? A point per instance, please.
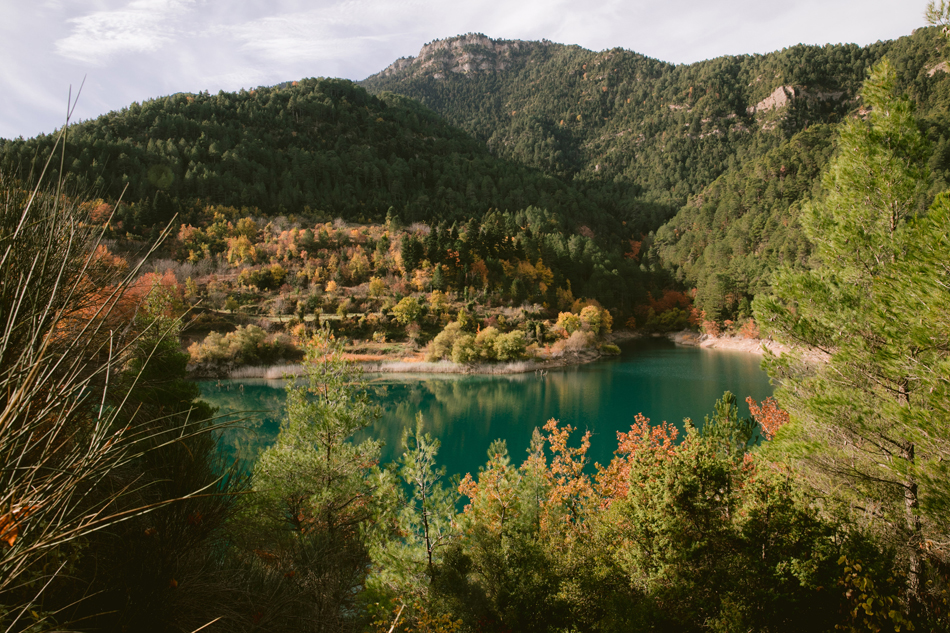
(466, 54)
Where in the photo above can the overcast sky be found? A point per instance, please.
(133, 50)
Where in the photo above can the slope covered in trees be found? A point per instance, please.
(725, 151)
(732, 146)
(620, 116)
(319, 147)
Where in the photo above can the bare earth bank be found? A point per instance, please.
(736, 343)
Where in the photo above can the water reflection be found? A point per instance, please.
(655, 377)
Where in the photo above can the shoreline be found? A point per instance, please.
(396, 366)
(685, 338)
(758, 346)
(748, 345)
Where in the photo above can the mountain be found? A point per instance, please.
(620, 116)
(726, 149)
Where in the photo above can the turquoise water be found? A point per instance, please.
(652, 376)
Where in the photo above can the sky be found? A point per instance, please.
(123, 51)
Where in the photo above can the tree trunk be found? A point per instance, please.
(911, 504)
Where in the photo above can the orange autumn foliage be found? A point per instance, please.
(563, 497)
(10, 523)
(493, 498)
(634, 252)
(644, 443)
(749, 329)
(569, 487)
(113, 306)
(670, 299)
(769, 416)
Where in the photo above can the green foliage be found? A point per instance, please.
(485, 341)
(324, 146)
(465, 320)
(488, 345)
(407, 311)
(656, 132)
(870, 313)
(715, 539)
(376, 287)
(441, 346)
(728, 434)
(870, 609)
(464, 349)
(246, 345)
(426, 516)
(265, 278)
(316, 492)
(569, 321)
(729, 240)
(510, 346)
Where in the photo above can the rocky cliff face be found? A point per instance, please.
(784, 95)
(466, 54)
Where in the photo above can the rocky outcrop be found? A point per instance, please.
(939, 68)
(465, 54)
(779, 98)
(784, 95)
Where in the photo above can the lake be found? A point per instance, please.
(467, 412)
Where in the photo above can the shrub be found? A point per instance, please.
(579, 340)
(266, 278)
(464, 350)
(591, 317)
(441, 346)
(376, 287)
(245, 346)
(510, 346)
(407, 310)
(438, 302)
(485, 342)
(569, 322)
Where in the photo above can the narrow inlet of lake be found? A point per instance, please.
(467, 412)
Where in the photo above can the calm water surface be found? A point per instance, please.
(652, 376)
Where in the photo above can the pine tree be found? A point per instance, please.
(865, 384)
(316, 491)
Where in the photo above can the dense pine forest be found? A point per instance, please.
(726, 150)
(488, 201)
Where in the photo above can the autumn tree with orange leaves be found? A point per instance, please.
(675, 533)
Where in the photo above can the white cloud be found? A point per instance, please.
(141, 26)
(134, 50)
(338, 31)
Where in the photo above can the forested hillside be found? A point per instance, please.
(731, 146)
(323, 148)
(617, 115)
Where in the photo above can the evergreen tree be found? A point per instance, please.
(866, 412)
(316, 491)
(426, 518)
